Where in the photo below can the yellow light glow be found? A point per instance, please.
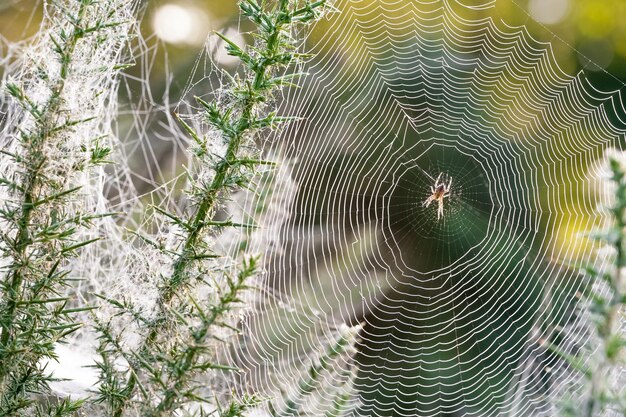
(548, 12)
(178, 24)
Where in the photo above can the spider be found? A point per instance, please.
(439, 191)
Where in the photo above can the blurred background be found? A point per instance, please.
(412, 363)
(587, 30)
(584, 30)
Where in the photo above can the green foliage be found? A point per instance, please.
(164, 373)
(41, 223)
(605, 295)
(311, 380)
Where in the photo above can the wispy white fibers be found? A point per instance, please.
(76, 89)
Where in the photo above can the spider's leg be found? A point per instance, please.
(446, 194)
(449, 184)
(440, 209)
(432, 190)
(427, 202)
(437, 180)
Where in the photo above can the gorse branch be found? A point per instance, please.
(605, 295)
(47, 159)
(240, 118)
(341, 349)
(165, 370)
(191, 354)
(607, 311)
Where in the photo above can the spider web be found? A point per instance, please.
(456, 311)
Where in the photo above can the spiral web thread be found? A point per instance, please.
(458, 312)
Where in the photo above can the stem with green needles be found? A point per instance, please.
(236, 121)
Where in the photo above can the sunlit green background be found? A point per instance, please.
(580, 30)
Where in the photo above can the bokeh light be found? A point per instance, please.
(549, 12)
(180, 24)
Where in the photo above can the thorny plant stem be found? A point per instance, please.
(179, 278)
(611, 317)
(34, 162)
(172, 394)
(312, 378)
(208, 202)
